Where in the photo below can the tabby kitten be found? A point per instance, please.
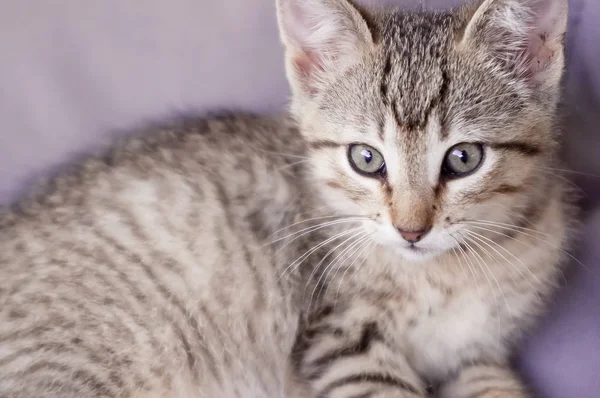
(402, 237)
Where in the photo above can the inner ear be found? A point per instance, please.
(524, 37)
(321, 38)
(547, 35)
(541, 50)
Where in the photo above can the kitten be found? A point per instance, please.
(404, 235)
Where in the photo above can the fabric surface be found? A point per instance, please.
(75, 75)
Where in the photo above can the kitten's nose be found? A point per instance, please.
(414, 236)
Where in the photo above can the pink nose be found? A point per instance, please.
(414, 236)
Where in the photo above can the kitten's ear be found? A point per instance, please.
(526, 37)
(320, 37)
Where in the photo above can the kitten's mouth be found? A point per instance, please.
(414, 252)
(414, 247)
(418, 253)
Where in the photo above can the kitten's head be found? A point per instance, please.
(425, 122)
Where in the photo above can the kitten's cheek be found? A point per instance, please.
(338, 200)
(386, 235)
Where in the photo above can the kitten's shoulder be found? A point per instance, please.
(172, 144)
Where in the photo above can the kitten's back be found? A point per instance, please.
(139, 271)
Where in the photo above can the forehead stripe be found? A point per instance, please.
(524, 148)
(325, 144)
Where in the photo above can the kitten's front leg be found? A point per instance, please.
(353, 362)
(484, 381)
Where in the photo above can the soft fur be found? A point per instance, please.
(243, 256)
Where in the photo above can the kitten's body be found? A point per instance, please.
(158, 271)
(145, 273)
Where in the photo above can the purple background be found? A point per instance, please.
(75, 74)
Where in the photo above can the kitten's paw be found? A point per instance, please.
(374, 394)
(372, 391)
(484, 381)
(483, 394)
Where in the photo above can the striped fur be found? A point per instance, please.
(484, 381)
(400, 322)
(143, 273)
(242, 256)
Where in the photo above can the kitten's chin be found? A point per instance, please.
(417, 254)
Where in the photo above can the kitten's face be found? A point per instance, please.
(418, 133)
(419, 186)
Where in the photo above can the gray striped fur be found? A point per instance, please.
(241, 256)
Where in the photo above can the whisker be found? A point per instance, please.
(458, 252)
(482, 263)
(290, 208)
(566, 180)
(572, 172)
(501, 224)
(365, 258)
(480, 237)
(473, 239)
(304, 256)
(485, 238)
(498, 284)
(518, 241)
(290, 155)
(508, 227)
(287, 166)
(308, 230)
(338, 263)
(311, 219)
(350, 253)
(315, 269)
(363, 247)
(469, 263)
(362, 263)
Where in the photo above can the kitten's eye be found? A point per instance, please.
(462, 160)
(366, 159)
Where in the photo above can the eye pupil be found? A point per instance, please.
(462, 155)
(367, 155)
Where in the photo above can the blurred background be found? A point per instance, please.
(75, 75)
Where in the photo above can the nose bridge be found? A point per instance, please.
(413, 199)
(413, 209)
(414, 156)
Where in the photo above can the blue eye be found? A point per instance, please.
(365, 159)
(462, 159)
